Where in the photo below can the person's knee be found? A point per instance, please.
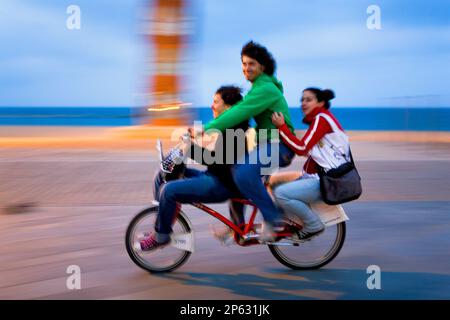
(167, 192)
(280, 195)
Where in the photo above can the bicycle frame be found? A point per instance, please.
(230, 224)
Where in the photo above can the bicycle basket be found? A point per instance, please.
(173, 158)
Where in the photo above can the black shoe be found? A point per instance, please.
(305, 235)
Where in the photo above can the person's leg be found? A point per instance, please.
(165, 217)
(294, 197)
(282, 178)
(247, 176)
(236, 212)
(248, 180)
(202, 188)
(191, 173)
(158, 180)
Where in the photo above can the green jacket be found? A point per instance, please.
(264, 98)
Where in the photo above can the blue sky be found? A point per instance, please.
(316, 43)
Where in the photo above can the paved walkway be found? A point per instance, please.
(65, 206)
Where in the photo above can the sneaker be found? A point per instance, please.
(306, 235)
(150, 243)
(267, 233)
(224, 235)
(269, 230)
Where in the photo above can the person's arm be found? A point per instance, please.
(319, 128)
(255, 102)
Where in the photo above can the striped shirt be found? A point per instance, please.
(324, 143)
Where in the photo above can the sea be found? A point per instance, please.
(351, 118)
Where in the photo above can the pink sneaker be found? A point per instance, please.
(150, 243)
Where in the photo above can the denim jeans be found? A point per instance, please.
(294, 197)
(247, 175)
(198, 186)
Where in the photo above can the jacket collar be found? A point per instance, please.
(310, 117)
(262, 78)
(265, 78)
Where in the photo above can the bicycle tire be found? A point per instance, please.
(327, 258)
(137, 259)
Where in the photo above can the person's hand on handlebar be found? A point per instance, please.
(186, 137)
(195, 132)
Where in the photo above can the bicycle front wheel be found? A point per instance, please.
(165, 259)
(312, 254)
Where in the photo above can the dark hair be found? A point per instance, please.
(260, 54)
(230, 94)
(322, 95)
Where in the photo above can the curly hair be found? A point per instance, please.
(261, 54)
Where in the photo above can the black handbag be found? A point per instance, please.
(341, 184)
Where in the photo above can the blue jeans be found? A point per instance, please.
(247, 175)
(198, 186)
(294, 197)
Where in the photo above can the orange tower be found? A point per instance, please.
(167, 36)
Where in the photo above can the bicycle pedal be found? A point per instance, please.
(251, 237)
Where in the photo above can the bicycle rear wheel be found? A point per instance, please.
(164, 259)
(312, 254)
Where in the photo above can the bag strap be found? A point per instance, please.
(351, 156)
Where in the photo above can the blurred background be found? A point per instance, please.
(105, 64)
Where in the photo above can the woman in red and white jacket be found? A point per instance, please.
(325, 144)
